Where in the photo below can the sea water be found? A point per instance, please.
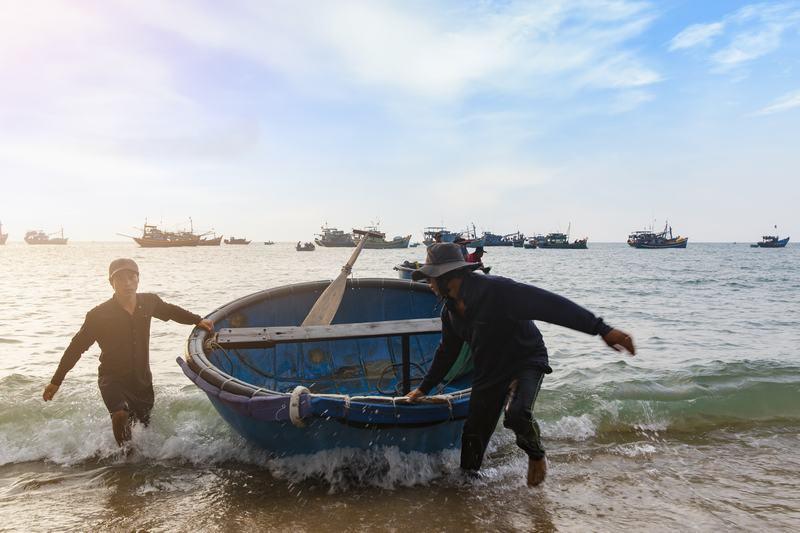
(698, 431)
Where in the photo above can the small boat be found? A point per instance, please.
(213, 241)
(296, 390)
(517, 240)
(492, 239)
(406, 268)
(560, 241)
(532, 242)
(235, 240)
(334, 238)
(433, 234)
(649, 240)
(3, 236)
(269, 243)
(380, 243)
(471, 239)
(771, 241)
(40, 237)
(413, 245)
(305, 247)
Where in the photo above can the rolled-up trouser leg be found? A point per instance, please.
(120, 395)
(485, 407)
(519, 412)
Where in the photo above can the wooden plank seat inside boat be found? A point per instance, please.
(335, 358)
(269, 337)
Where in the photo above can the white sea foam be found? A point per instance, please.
(570, 428)
(382, 467)
(635, 450)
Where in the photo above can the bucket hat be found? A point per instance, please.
(442, 258)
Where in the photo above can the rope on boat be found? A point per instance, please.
(436, 398)
(294, 406)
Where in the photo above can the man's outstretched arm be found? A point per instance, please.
(527, 302)
(81, 342)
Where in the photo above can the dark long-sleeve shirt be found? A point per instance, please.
(499, 329)
(124, 339)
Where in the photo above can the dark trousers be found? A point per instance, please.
(128, 395)
(517, 395)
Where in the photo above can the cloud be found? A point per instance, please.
(784, 103)
(754, 31)
(630, 100)
(697, 34)
(619, 72)
(438, 51)
(282, 95)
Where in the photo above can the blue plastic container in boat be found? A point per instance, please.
(304, 396)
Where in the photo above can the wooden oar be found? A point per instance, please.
(328, 303)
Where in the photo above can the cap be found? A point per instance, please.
(123, 263)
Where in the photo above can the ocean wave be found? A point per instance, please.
(637, 406)
(698, 399)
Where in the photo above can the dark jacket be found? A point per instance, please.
(499, 330)
(124, 339)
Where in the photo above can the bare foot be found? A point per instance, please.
(537, 471)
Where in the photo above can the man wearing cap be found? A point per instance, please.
(494, 315)
(121, 326)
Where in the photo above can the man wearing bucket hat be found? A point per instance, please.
(121, 326)
(494, 316)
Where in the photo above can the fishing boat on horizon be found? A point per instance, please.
(517, 239)
(378, 241)
(771, 241)
(334, 238)
(3, 236)
(560, 241)
(305, 247)
(433, 234)
(211, 241)
(154, 237)
(493, 239)
(235, 240)
(40, 237)
(533, 242)
(649, 240)
(468, 237)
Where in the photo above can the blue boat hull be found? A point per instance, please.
(284, 439)
(344, 388)
(776, 244)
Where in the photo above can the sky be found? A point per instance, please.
(267, 119)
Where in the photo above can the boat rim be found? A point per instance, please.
(195, 354)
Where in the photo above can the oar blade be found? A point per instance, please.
(328, 303)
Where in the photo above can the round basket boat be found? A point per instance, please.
(298, 390)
